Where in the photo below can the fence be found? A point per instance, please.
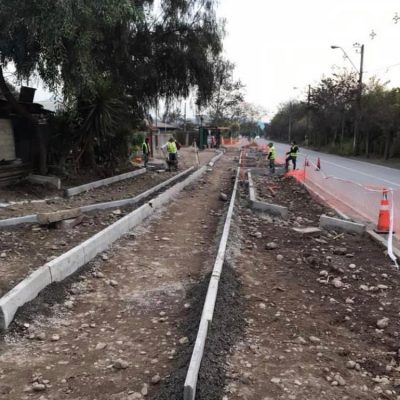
(363, 200)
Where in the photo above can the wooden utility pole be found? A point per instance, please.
(359, 102)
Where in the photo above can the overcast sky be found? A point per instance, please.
(281, 44)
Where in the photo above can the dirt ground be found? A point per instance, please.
(32, 199)
(26, 247)
(322, 310)
(114, 331)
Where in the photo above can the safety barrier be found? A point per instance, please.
(363, 200)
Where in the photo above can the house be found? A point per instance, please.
(19, 146)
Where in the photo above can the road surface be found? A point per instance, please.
(345, 168)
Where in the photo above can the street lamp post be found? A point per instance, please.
(359, 92)
(290, 119)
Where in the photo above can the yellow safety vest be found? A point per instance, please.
(171, 147)
(293, 151)
(272, 153)
(145, 148)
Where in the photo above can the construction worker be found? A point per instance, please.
(292, 155)
(172, 151)
(146, 151)
(271, 157)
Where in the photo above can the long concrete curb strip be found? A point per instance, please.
(32, 219)
(103, 182)
(209, 305)
(27, 219)
(68, 263)
(269, 208)
(138, 198)
(326, 222)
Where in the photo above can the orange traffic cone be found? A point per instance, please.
(384, 215)
(306, 163)
(318, 164)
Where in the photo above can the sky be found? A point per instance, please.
(280, 45)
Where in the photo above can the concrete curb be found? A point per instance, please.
(27, 219)
(136, 199)
(33, 219)
(269, 208)
(69, 262)
(189, 391)
(327, 223)
(103, 182)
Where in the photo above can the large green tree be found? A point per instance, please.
(143, 50)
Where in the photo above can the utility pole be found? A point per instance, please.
(357, 118)
(359, 101)
(290, 122)
(307, 138)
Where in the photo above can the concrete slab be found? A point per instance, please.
(24, 292)
(337, 224)
(56, 216)
(103, 182)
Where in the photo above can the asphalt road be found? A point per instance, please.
(345, 168)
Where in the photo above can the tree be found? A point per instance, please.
(225, 104)
(144, 52)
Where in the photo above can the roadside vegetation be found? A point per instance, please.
(326, 118)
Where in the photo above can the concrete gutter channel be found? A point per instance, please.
(209, 304)
(32, 219)
(69, 262)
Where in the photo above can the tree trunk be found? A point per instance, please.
(367, 143)
(20, 110)
(388, 144)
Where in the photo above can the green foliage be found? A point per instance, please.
(327, 118)
(112, 59)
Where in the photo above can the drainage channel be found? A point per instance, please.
(68, 263)
(209, 304)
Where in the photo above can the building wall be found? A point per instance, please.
(7, 141)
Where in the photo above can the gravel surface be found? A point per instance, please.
(116, 329)
(322, 308)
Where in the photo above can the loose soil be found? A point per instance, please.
(32, 196)
(312, 305)
(117, 326)
(26, 247)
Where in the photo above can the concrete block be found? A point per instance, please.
(45, 180)
(337, 224)
(269, 208)
(103, 182)
(27, 219)
(24, 292)
(69, 223)
(49, 218)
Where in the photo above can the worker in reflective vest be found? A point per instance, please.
(292, 155)
(146, 151)
(172, 151)
(271, 157)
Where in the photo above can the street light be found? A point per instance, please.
(290, 118)
(359, 92)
